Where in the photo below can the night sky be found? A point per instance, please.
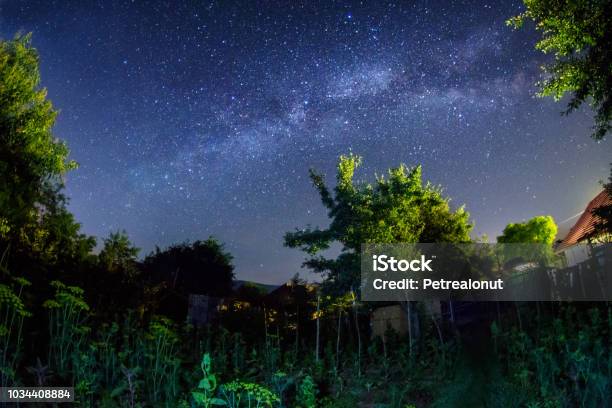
(195, 118)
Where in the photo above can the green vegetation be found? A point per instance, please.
(577, 33)
(116, 328)
(398, 208)
(32, 161)
(538, 230)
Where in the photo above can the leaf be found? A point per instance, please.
(205, 384)
(118, 391)
(198, 397)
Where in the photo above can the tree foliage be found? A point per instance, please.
(578, 34)
(202, 267)
(538, 230)
(32, 159)
(118, 254)
(396, 208)
(44, 239)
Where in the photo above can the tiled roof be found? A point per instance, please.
(585, 225)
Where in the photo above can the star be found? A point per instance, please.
(205, 120)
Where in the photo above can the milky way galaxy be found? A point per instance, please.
(192, 119)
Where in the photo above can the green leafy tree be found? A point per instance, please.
(32, 159)
(577, 33)
(538, 230)
(398, 208)
(44, 241)
(529, 241)
(116, 286)
(119, 255)
(57, 239)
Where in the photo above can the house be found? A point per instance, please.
(202, 309)
(388, 317)
(394, 316)
(585, 231)
(288, 293)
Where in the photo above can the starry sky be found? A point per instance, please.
(196, 118)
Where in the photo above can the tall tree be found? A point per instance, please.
(44, 239)
(32, 159)
(202, 267)
(119, 255)
(115, 286)
(577, 33)
(398, 208)
(538, 230)
(528, 241)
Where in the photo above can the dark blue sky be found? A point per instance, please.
(194, 118)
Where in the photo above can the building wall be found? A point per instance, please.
(388, 317)
(576, 254)
(201, 309)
